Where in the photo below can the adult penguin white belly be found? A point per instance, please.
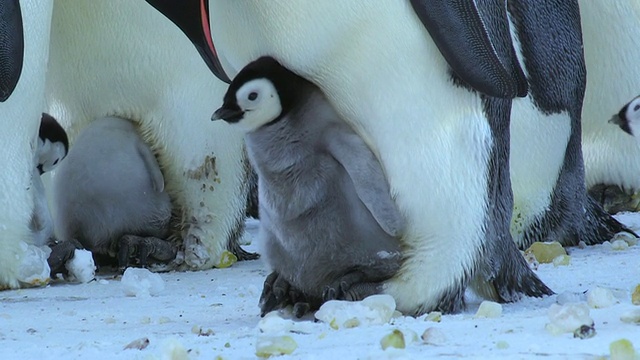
(24, 42)
(447, 168)
(611, 33)
(547, 172)
(123, 58)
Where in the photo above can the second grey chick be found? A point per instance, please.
(109, 195)
(328, 224)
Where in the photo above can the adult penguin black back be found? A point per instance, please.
(11, 47)
(547, 171)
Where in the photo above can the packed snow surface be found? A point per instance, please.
(214, 314)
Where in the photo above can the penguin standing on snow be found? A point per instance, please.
(24, 42)
(53, 146)
(91, 75)
(611, 49)
(109, 195)
(547, 169)
(393, 71)
(329, 226)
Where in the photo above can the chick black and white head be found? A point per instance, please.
(628, 118)
(53, 144)
(263, 92)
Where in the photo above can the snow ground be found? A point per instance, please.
(214, 315)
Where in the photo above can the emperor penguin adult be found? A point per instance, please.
(329, 228)
(547, 172)
(611, 48)
(428, 85)
(24, 44)
(124, 59)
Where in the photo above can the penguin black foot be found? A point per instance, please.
(614, 199)
(61, 252)
(351, 287)
(144, 247)
(506, 276)
(515, 278)
(274, 293)
(241, 253)
(277, 293)
(234, 243)
(601, 226)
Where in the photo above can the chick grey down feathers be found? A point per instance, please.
(328, 224)
(109, 194)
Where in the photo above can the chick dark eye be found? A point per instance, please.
(253, 96)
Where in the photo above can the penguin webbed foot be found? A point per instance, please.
(351, 287)
(240, 253)
(61, 252)
(130, 246)
(274, 293)
(277, 293)
(515, 279)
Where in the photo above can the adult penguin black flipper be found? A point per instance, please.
(11, 47)
(182, 13)
(460, 32)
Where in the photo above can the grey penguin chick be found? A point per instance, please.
(53, 145)
(109, 194)
(628, 118)
(328, 224)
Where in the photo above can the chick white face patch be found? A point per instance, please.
(259, 101)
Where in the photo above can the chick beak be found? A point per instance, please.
(228, 115)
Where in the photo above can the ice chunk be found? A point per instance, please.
(273, 323)
(631, 316)
(567, 318)
(435, 316)
(489, 309)
(394, 340)
(141, 282)
(570, 297)
(545, 252)
(631, 240)
(374, 310)
(268, 346)
(227, 259)
(34, 269)
(622, 350)
(81, 267)
(434, 336)
(599, 298)
(174, 350)
(562, 260)
(619, 245)
(635, 296)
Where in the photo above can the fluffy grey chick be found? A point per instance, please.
(109, 194)
(628, 118)
(52, 147)
(327, 220)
